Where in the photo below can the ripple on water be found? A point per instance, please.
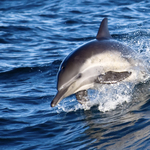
(35, 36)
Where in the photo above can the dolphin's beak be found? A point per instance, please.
(59, 96)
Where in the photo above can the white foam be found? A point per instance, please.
(106, 97)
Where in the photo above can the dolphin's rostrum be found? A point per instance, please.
(101, 61)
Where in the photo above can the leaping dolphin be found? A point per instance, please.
(100, 61)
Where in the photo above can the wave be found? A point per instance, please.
(23, 73)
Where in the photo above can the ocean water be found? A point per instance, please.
(35, 37)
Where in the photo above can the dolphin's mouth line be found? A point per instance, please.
(63, 92)
(59, 96)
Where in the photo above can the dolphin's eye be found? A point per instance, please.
(62, 67)
(79, 75)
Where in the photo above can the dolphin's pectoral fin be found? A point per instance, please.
(81, 96)
(111, 77)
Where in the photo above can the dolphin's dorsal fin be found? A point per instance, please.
(103, 31)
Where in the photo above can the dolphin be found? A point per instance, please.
(100, 61)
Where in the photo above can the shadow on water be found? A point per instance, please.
(121, 128)
(124, 127)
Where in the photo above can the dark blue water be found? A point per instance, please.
(35, 36)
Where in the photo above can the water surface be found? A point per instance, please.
(35, 37)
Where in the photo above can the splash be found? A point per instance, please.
(113, 95)
(108, 97)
